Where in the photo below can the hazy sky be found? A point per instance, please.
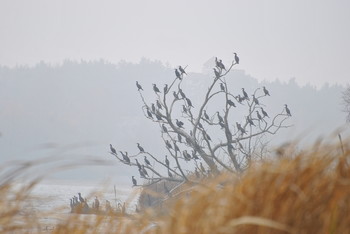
(308, 40)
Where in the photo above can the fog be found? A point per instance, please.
(77, 109)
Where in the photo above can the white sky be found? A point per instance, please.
(308, 40)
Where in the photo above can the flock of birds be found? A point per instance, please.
(154, 110)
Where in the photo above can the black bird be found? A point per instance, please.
(250, 121)
(189, 103)
(140, 148)
(144, 170)
(155, 88)
(125, 157)
(206, 115)
(182, 70)
(176, 147)
(138, 164)
(231, 103)
(158, 116)
(159, 105)
(179, 123)
(169, 174)
(147, 161)
(255, 100)
(166, 189)
(217, 74)
(165, 88)
(258, 115)
(153, 108)
(186, 155)
(81, 199)
(200, 125)
(178, 75)
(287, 110)
(221, 65)
(266, 91)
(167, 143)
(219, 117)
(142, 174)
(139, 87)
(175, 95)
(240, 99)
(236, 58)
(167, 161)
(184, 109)
(239, 127)
(149, 113)
(112, 149)
(222, 125)
(217, 62)
(206, 136)
(165, 130)
(245, 95)
(134, 182)
(222, 87)
(182, 93)
(264, 113)
(179, 138)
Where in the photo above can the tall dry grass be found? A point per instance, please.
(306, 193)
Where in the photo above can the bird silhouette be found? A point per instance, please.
(231, 103)
(155, 88)
(134, 182)
(256, 101)
(149, 113)
(250, 121)
(287, 110)
(258, 115)
(221, 65)
(189, 103)
(139, 87)
(217, 74)
(222, 87)
(112, 149)
(175, 95)
(167, 163)
(168, 145)
(182, 93)
(179, 123)
(140, 148)
(125, 157)
(165, 88)
(236, 58)
(239, 127)
(159, 105)
(138, 164)
(177, 74)
(182, 70)
(206, 116)
(169, 174)
(165, 130)
(147, 161)
(264, 113)
(179, 138)
(245, 95)
(266, 91)
(219, 117)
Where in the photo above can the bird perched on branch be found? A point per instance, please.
(236, 58)
(287, 110)
(149, 113)
(138, 164)
(134, 182)
(221, 65)
(147, 161)
(177, 74)
(206, 116)
(217, 74)
(245, 95)
(140, 148)
(189, 103)
(159, 105)
(264, 113)
(239, 127)
(258, 115)
(266, 91)
(165, 130)
(222, 87)
(182, 70)
(125, 157)
(168, 145)
(112, 149)
(231, 103)
(250, 121)
(179, 123)
(139, 87)
(165, 88)
(175, 95)
(182, 93)
(219, 117)
(167, 163)
(155, 88)
(256, 101)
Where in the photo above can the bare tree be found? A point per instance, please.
(346, 101)
(188, 130)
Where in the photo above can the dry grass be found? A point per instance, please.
(309, 193)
